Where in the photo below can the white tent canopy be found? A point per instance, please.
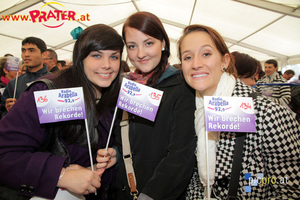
(263, 29)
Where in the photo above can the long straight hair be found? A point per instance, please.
(95, 38)
(149, 24)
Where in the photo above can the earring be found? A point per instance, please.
(224, 69)
(163, 49)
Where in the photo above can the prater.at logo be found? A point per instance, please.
(49, 18)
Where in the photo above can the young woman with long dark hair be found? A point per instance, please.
(32, 172)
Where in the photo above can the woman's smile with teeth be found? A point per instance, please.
(199, 75)
(104, 74)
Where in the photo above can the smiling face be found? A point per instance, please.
(270, 69)
(102, 67)
(202, 63)
(144, 51)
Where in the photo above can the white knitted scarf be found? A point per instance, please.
(224, 88)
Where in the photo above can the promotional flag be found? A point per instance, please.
(60, 104)
(12, 63)
(229, 114)
(139, 99)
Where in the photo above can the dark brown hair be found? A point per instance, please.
(245, 65)
(94, 38)
(272, 61)
(124, 67)
(289, 71)
(150, 25)
(41, 45)
(217, 40)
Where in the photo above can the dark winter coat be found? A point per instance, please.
(163, 150)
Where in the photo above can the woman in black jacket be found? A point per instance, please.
(163, 150)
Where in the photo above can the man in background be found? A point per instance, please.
(277, 93)
(33, 50)
(288, 74)
(61, 64)
(50, 60)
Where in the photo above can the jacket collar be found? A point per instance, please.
(170, 71)
(42, 71)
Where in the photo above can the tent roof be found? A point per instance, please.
(263, 29)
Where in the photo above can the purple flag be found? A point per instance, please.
(139, 99)
(229, 114)
(12, 63)
(60, 104)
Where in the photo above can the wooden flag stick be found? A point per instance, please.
(111, 127)
(207, 166)
(16, 85)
